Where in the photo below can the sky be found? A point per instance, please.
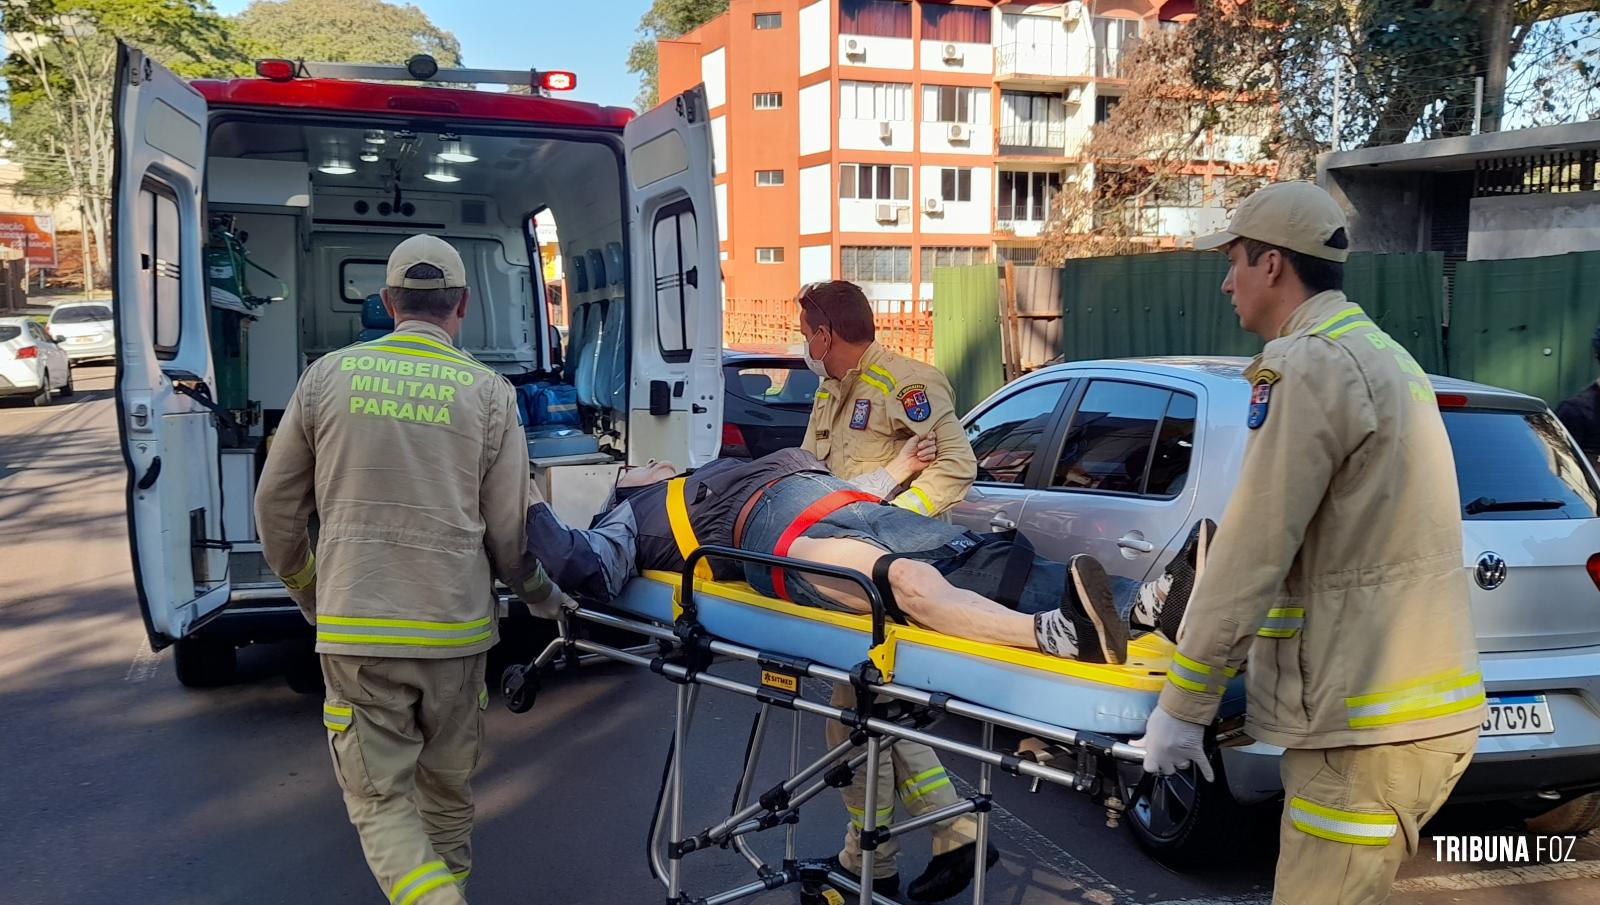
(590, 38)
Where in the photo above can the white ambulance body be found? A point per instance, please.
(322, 176)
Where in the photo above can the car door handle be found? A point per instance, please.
(1135, 543)
(1001, 523)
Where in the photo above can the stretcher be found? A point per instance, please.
(904, 679)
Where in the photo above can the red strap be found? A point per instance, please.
(809, 516)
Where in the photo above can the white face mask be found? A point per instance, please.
(814, 364)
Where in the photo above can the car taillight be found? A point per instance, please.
(733, 442)
(1451, 401)
(1593, 566)
(27, 352)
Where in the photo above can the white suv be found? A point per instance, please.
(1117, 458)
(87, 330)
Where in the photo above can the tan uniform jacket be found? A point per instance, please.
(408, 453)
(1337, 565)
(860, 421)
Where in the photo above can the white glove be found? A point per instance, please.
(552, 606)
(1170, 744)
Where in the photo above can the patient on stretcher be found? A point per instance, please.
(988, 588)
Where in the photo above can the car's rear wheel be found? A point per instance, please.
(1182, 820)
(47, 394)
(68, 388)
(204, 662)
(1573, 817)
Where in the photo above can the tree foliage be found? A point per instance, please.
(665, 20)
(342, 31)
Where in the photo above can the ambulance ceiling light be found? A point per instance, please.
(369, 156)
(376, 137)
(336, 168)
(442, 175)
(453, 151)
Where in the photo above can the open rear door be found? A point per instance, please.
(169, 436)
(675, 393)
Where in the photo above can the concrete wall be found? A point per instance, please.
(816, 200)
(816, 263)
(1385, 208)
(876, 52)
(714, 72)
(816, 118)
(1530, 226)
(816, 32)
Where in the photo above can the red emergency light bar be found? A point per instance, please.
(557, 80)
(420, 68)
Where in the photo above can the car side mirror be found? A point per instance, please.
(58, 340)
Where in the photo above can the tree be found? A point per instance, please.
(663, 21)
(62, 79)
(343, 31)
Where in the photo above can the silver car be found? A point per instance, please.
(1118, 458)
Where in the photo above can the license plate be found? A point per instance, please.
(85, 340)
(1526, 714)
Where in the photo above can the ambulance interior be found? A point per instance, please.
(315, 211)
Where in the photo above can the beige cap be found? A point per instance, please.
(426, 249)
(1298, 216)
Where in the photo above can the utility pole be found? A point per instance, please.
(83, 236)
(1477, 105)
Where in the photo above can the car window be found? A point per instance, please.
(1113, 434)
(1007, 434)
(772, 384)
(1517, 465)
(36, 333)
(80, 314)
(9, 332)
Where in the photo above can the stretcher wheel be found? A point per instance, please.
(520, 687)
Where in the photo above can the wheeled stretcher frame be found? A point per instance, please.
(883, 714)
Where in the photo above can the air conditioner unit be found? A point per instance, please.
(1072, 177)
(933, 205)
(960, 132)
(886, 130)
(1071, 11)
(888, 213)
(952, 53)
(1075, 94)
(854, 48)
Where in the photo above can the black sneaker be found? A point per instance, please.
(1102, 633)
(1185, 570)
(884, 886)
(948, 874)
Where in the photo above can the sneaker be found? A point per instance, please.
(1184, 573)
(1102, 633)
(948, 874)
(884, 886)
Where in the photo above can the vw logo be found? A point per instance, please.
(1491, 571)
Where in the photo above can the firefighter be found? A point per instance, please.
(408, 454)
(870, 401)
(1337, 572)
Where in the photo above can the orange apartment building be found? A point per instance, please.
(874, 140)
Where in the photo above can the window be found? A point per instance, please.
(1179, 191)
(1008, 433)
(361, 277)
(165, 267)
(1020, 255)
(874, 182)
(1026, 195)
(949, 104)
(1114, 41)
(955, 183)
(765, 21)
(771, 255)
(1121, 434)
(1103, 105)
(957, 24)
(1029, 120)
(934, 256)
(875, 264)
(881, 18)
(772, 384)
(1520, 460)
(881, 101)
(769, 100)
(676, 247)
(80, 314)
(769, 177)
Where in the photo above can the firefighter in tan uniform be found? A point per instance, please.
(870, 402)
(1336, 577)
(408, 454)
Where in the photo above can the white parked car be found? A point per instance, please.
(31, 363)
(86, 328)
(1117, 459)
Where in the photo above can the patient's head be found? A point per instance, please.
(651, 472)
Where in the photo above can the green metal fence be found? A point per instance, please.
(966, 331)
(1525, 323)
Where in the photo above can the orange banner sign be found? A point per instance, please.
(34, 234)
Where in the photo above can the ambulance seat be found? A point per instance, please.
(375, 321)
(612, 373)
(586, 358)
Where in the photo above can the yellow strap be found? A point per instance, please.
(682, 528)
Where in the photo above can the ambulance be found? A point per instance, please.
(253, 218)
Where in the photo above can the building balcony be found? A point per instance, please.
(1037, 139)
(1043, 65)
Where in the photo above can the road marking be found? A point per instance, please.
(145, 663)
(1096, 889)
(1508, 876)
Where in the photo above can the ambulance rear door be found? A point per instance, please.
(675, 382)
(164, 380)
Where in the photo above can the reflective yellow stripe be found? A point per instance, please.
(1353, 309)
(1335, 334)
(873, 381)
(1422, 701)
(419, 640)
(1188, 684)
(881, 372)
(414, 885)
(337, 710)
(402, 623)
(337, 718)
(925, 774)
(1192, 675)
(483, 697)
(419, 353)
(462, 876)
(858, 815)
(682, 528)
(442, 347)
(1338, 825)
(1282, 622)
(425, 887)
(302, 579)
(822, 394)
(937, 784)
(915, 500)
(1192, 665)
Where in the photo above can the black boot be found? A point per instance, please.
(884, 886)
(1184, 571)
(948, 874)
(1087, 617)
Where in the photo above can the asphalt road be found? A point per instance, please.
(119, 785)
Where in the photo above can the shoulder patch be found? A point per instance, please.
(914, 399)
(861, 414)
(1261, 396)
